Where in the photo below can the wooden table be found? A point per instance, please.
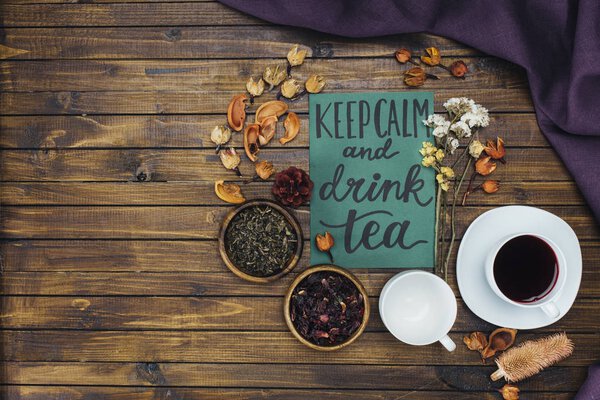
(112, 287)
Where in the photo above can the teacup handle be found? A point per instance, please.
(551, 310)
(448, 343)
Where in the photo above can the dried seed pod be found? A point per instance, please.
(292, 127)
(499, 340)
(484, 166)
(264, 169)
(229, 192)
(490, 186)
(268, 128)
(415, 77)
(476, 341)
(459, 69)
(220, 135)
(236, 112)
(274, 75)
(290, 88)
(251, 135)
(495, 150)
(403, 55)
(230, 159)
(296, 57)
(255, 88)
(274, 107)
(433, 56)
(509, 392)
(314, 84)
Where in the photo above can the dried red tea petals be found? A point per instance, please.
(476, 341)
(509, 392)
(495, 150)
(415, 77)
(499, 340)
(490, 186)
(484, 166)
(458, 69)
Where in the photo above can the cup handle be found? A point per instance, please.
(551, 310)
(448, 343)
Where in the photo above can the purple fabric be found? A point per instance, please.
(557, 42)
(591, 387)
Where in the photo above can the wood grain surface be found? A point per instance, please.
(111, 284)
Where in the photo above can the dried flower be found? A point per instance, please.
(499, 340)
(325, 243)
(428, 161)
(509, 392)
(251, 145)
(230, 160)
(444, 177)
(415, 77)
(314, 84)
(292, 187)
(290, 88)
(403, 55)
(292, 127)
(447, 172)
(458, 106)
(439, 155)
(274, 75)
(439, 124)
(229, 192)
(461, 129)
(484, 166)
(495, 150)
(452, 144)
(433, 56)
(490, 186)
(270, 108)
(296, 57)
(255, 88)
(236, 112)
(476, 341)
(428, 149)
(459, 69)
(475, 148)
(264, 169)
(268, 128)
(220, 135)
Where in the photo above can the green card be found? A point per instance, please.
(371, 191)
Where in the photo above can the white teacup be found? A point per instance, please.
(545, 301)
(418, 308)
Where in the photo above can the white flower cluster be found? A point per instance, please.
(465, 116)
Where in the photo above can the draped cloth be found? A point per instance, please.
(557, 42)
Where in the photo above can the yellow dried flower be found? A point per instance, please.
(439, 155)
(296, 57)
(255, 88)
(428, 161)
(274, 75)
(428, 149)
(290, 88)
(476, 148)
(447, 172)
(314, 84)
(441, 180)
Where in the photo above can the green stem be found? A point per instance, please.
(436, 229)
(443, 217)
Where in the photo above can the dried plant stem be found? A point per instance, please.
(436, 230)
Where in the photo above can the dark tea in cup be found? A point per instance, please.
(526, 269)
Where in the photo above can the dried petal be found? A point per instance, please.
(255, 88)
(251, 141)
(433, 57)
(509, 392)
(475, 148)
(296, 57)
(490, 186)
(476, 341)
(458, 68)
(270, 108)
(274, 75)
(499, 340)
(415, 77)
(268, 128)
(229, 192)
(230, 158)
(324, 242)
(220, 135)
(236, 112)
(314, 84)
(264, 169)
(290, 88)
(495, 150)
(292, 127)
(403, 55)
(484, 166)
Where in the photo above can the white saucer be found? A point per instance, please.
(478, 241)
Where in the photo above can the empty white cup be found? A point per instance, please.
(418, 308)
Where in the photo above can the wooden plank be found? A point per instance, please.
(229, 75)
(205, 42)
(226, 312)
(190, 165)
(245, 347)
(195, 102)
(23, 392)
(123, 14)
(189, 131)
(193, 193)
(446, 378)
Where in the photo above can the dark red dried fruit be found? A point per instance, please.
(292, 187)
(326, 308)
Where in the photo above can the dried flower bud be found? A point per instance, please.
(229, 192)
(325, 243)
(443, 182)
(458, 69)
(495, 150)
(264, 169)
(255, 88)
(230, 158)
(476, 341)
(292, 127)
(296, 57)
(490, 186)
(274, 75)
(415, 77)
(433, 57)
(403, 55)
(475, 148)
(236, 112)
(509, 392)
(484, 166)
(314, 84)
(499, 340)
(290, 88)
(220, 135)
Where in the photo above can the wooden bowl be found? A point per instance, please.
(293, 261)
(341, 271)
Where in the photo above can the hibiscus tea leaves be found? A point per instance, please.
(260, 241)
(326, 308)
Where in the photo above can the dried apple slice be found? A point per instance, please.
(270, 108)
(236, 112)
(229, 192)
(268, 129)
(292, 127)
(251, 135)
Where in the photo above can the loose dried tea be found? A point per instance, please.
(326, 308)
(260, 241)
